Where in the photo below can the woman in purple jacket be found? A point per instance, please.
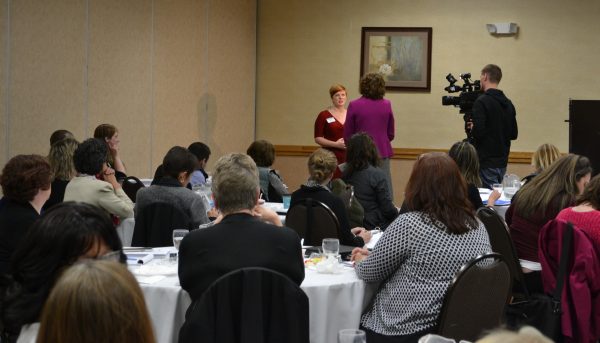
(371, 113)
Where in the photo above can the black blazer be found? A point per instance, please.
(15, 220)
(239, 241)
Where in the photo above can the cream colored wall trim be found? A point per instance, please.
(399, 153)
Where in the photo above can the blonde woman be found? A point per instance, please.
(321, 165)
(63, 168)
(96, 301)
(542, 158)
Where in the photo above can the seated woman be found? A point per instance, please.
(178, 166)
(541, 159)
(25, 184)
(63, 168)
(202, 153)
(63, 235)
(418, 255)
(271, 184)
(106, 193)
(370, 183)
(465, 156)
(110, 136)
(539, 201)
(106, 300)
(321, 166)
(586, 213)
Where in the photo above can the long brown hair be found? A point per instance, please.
(465, 156)
(104, 132)
(437, 188)
(96, 301)
(591, 193)
(554, 188)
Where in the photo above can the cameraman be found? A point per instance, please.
(494, 125)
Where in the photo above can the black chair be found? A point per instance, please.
(313, 221)
(476, 298)
(249, 305)
(502, 244)
(155, 223)
(131, 185)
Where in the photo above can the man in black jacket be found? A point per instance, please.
(244, 237)
(494, 126)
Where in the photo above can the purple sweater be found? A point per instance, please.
(375, 117)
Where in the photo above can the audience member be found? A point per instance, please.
(539, 201)
(63, 168)
(465, 156)
(66, 233)
(526, 334)
(59, 135)
(202, 153)
(110, 136)
(373, 114)
(271, 184)
(370, 185)
(321, 165)
(329, 126)
(96, 301)
(90, 160)
(420, 252)
(178, 165)
(25, 184)
(586, 213)
(542, 158)
(241, 239)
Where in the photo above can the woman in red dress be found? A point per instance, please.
(329, 126)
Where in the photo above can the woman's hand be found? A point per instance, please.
(340, 144)
(108, 175)
(267, 215)
(495, 195)
(212, 213)
(362, 233)
(359, 254)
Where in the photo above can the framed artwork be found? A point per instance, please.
(401, 54)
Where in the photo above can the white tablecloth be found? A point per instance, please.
(336, 302)
(502, 204)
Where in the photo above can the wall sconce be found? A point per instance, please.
(502, 28)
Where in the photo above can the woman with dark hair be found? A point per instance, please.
(373, 114)
(539, 201)
(109, 134)
(59, 135)
(271, 184)
(586, 213)
(97, 301)
(321, 165)
(63, 168)
(329, 125)
(90, 160)
(25, 184)
(465, 156)
(178, 166)
(370, 185)
(420, 252)
(66, 233)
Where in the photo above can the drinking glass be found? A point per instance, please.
(331, 246)
(352, 336)
(497, 187)
(178, 237)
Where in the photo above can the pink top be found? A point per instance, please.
(375, 117)
(589, 222)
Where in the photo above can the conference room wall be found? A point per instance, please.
(164, 72)
(304, 46)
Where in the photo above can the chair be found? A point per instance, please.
(313, 221)
(249, 305)
(131, 185)
(476, 298)
(155, 223)
(503, 245)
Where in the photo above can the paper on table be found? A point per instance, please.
(137, 258)
(373, 240)
(148, 280)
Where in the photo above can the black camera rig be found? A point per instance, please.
(469, 92)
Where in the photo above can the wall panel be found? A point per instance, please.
(4, 72)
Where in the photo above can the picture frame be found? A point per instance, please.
(401, 54)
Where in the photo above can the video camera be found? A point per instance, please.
(469, 92)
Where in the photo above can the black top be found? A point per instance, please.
(336, 204)
(15, 220)
(58, 193)
(238, 241)
(494, 126)
(474, 196)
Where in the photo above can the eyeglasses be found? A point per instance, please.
(111, 256)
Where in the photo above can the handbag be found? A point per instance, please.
(356, 213)
(543, 311)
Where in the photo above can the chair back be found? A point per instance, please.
(131, 185)
(476, 298)
(313, 221)
(154, 225)
(502, 244)
(248, 305)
